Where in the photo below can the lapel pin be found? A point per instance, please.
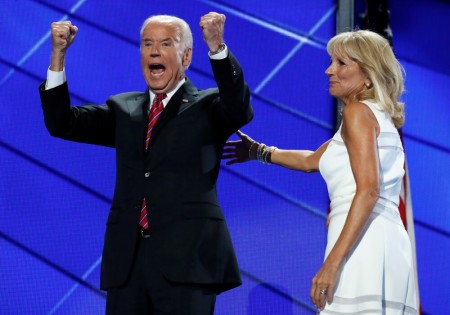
(185, 100)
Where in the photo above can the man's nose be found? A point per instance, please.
(154, 51)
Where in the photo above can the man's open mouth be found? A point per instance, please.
(157, 68)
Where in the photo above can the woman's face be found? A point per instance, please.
(346, 78)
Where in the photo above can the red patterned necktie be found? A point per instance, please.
(155, 112)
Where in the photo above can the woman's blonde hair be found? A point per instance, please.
(375, 57)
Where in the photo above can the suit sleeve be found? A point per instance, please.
(92, 124)
(234, 105)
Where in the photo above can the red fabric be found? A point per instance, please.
(155, 112)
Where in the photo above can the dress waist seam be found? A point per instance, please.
(383, 207)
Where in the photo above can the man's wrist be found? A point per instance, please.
(221, 48)
(57, 60)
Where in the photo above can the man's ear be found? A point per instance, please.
(187, 56)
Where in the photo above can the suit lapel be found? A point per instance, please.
(138, 114)
(180, 101)
(188, 97)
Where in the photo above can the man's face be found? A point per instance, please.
(162, 60)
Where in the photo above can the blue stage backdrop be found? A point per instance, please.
(55, 195)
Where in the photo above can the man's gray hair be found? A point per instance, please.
(185, 31)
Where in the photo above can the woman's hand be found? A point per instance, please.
(323, 285)
(240, 151)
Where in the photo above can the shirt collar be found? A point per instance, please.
(169, 94)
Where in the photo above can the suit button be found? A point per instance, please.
(147, 174)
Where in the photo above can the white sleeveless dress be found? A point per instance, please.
(377, 276)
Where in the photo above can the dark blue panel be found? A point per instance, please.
(273, 126)
(265, 228)
(419, 28)
(79, 300)
(427, 97)
(429, 171)
(288, 14)
(303, 86)
(27, 285)
(22, 128)
(20, 30)
(269, 234)
(247, 41)
(51, 216)
(257, 297)
(433, 254)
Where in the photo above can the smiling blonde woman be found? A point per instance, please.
(368, 265)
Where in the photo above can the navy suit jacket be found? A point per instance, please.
(177, 175)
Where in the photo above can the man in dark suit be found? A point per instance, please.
(167, 248)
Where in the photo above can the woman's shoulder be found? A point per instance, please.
(357, 116)
(356, 110)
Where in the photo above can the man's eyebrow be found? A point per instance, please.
(160, 40)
